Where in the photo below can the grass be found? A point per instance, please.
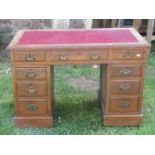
(77, 111)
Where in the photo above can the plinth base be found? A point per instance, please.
(122, 120)
(25, 122)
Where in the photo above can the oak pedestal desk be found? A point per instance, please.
(121, 53)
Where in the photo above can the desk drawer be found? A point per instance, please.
(123, 104)
(29, 56)
(31, 73)
(126, 70)
(31, 89)
(127, 54)
(125, 86)
(77, 56)
(32, 107)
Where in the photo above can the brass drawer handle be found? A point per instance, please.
(125, 86)
(125, 71)
(30, 57)
(63, 57)
(94, 57)
(31, 90)
(124, 105)
(31, 74)
(32, 107)
(128, 55)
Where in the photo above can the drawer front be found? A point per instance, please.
(77, 56)
(31, 107)
(31, 89)
(126, 70)
(123, 104)
(127, 54)
(125, 86)
(29, 56)
(31, 73)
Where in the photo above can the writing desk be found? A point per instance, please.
(121, 53)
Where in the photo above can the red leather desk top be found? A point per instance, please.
(77, 36)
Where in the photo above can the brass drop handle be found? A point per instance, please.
(128, 55)
(125, 86)
(30, 57)
(32, 107)
(31, 90)
(63, 57)
(31, 74)
(94, 57)
(125, 71)
(124, 105)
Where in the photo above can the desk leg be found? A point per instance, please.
(34, 108)
(111, 97)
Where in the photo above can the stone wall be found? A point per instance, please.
(9, 27)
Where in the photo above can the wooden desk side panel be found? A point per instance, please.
(13, 80)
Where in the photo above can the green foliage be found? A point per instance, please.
(151, 60)
(77, 111)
